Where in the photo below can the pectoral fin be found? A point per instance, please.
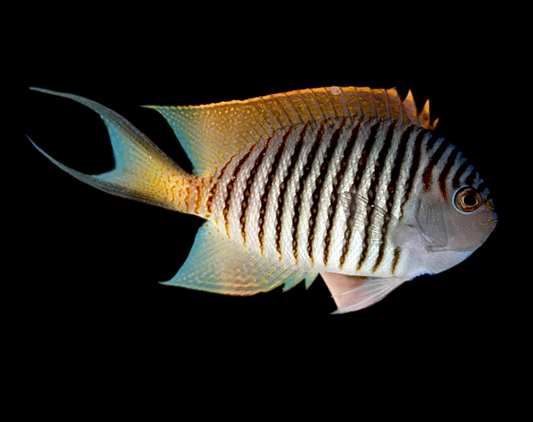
(430, 217)
(352, 293)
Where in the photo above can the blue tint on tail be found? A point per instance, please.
(140, 166)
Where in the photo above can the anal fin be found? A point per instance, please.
(219, 265)
(352, 293)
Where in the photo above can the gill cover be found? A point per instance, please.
(430, 217)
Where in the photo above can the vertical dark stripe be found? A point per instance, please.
(248, 188)
(283, 187)
(354, 188)
(428, 172)
(391, 191)
(457, 178)
(469, 181)
(395, 260)
(319, 184)
(413, 169)
(311, 156)
(372, 192)
(214, 188)
(270, 179)
(431, 142)
(446, 170)
(334, 198)
(231, 183)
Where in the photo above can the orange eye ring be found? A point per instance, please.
(467, 200)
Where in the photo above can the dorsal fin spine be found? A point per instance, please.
(424, 115)
(294, 109)
(309, 112)
(332, 102)
(376, 112)
(343, 103)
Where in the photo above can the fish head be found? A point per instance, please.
(459, 219)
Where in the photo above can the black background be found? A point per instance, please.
(96, 250)
(87, 264)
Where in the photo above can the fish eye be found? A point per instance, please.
(467, 199)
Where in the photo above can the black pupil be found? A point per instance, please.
(470, 200)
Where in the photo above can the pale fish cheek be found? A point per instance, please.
(470, 232)
(421, 261)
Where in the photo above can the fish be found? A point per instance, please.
(352, 184)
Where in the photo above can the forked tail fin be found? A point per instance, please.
(142, 171)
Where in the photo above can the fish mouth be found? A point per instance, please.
(491, 222)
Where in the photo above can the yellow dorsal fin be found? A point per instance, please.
(210, 134)
(421, 119)
(424, 115)
(410, 108)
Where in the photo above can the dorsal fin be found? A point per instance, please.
(212, 133)
(421, 119)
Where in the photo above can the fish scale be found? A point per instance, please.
(396, 164)
(303, 185)
(321, 199)
(351, 183)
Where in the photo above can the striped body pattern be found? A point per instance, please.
(351, 183)
(283, 197)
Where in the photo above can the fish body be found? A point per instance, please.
(349, 183)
